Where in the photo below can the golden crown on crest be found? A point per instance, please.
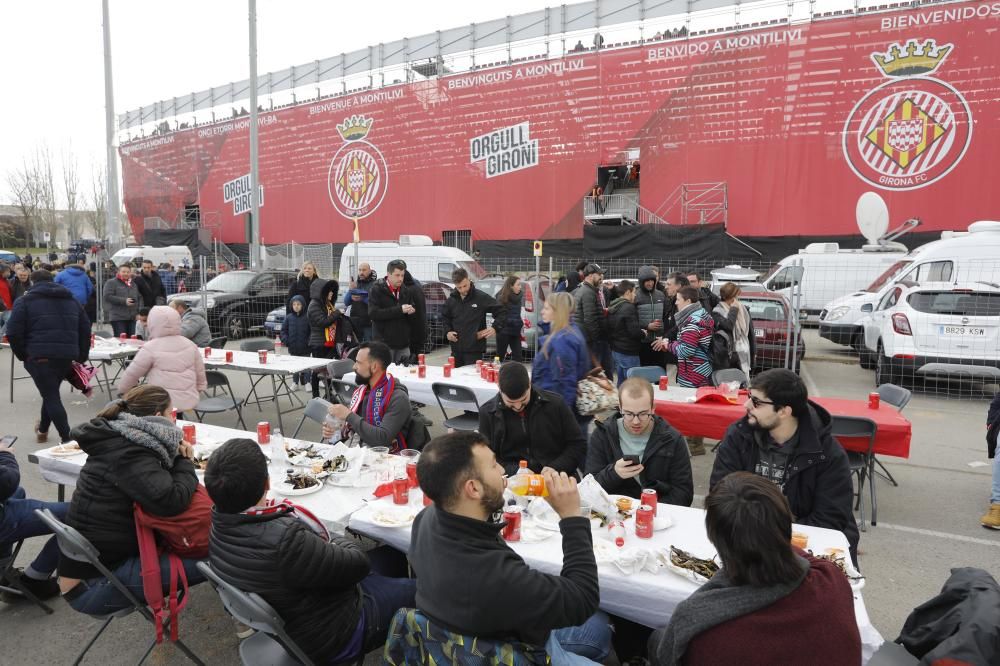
(912, 58)
(354, 128)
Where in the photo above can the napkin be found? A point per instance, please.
(594, 496)
(629, 559)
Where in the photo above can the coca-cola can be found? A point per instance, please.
(229, 357)
(649, 498)
(492, 377)
(479, 364)
(262, 356)
(401, 490)
(189, 433)
(135, 337)
(173, 414)
(663, 382)
(421, 359)
(451, 361)
(874, 399)
(421, 370)
(512, 523)
(263, 432)
(644, 522)
(447, 370)
(208, 352)
(484, 371)
(123, 337)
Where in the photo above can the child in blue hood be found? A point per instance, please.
(295, 335)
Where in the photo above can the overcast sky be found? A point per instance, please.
(53, 71)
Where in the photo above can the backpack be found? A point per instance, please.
(720, 349)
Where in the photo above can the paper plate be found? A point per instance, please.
(65, 451)
(394, 517)
(286, 489)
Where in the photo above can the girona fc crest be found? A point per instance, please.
(358, 176)
(912, 130)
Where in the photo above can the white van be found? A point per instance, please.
(425, 261)
(175, 255)
(825, 272)
(958, 257)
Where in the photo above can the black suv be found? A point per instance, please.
(238, 301)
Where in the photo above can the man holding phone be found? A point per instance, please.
(636, 449)
(18, 521)
(121, 301)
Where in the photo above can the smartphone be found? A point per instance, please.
(631, 460)
(8, 440)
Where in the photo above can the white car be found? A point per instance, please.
(939, 329)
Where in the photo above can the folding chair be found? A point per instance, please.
(337, 369)
(650, 373)
(315, 410)
(218, 343)
(458, 397)
(862, 464)
(341, 391)
(720, 377)
(215, 403)
(74, 546)
(15, 586)
(257, 377)
(898, 397)
(271, 645)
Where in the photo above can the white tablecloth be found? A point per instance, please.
(283, 364)
(113, 349)
(420, 390)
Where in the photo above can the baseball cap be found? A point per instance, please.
(591, 269)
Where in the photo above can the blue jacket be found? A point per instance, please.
(47, 322)
(169, 280)
(76, 280)
(565, 362)
(295, 328)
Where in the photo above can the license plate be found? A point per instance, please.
(758, 332)
(962, 330)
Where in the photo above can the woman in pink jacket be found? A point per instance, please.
(169, 360)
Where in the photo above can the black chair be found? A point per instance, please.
(218, 343)
(862, 464)
(651, 373)
(73, 545)
(337, 369)
(898, 397)
(458, 397)
(341, 391)
(219, 402)
(315, 410)
(13, 578)
(257, 377)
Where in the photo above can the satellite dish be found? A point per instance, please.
(873, 216)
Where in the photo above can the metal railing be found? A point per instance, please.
(645, 216)
(696, 203)
(610, 206)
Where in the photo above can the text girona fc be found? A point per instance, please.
(913, 129)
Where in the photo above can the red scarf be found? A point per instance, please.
(286, 506)
(393, 291)
(128, 283)
(375, 410)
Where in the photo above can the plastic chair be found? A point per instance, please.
(73, 545)
(337, 369)
(341, 391)
(14, 579)
(215, 403)
(459, 397)
(315, 410)
(898, 397)
(650, 373)
(257, 377)
(218, 343)
(862, 464)
(720, 377)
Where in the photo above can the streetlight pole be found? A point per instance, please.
(254, 176)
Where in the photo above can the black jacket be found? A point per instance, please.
(556, 440)
(418, 320)
(471, 582)
(312, 584)
(151, 289)
(708, 299)
(18, 288)
(667, 466)
(389, 324)
(10, 477)
(117, 473)
(728, 324)
(302, 286)
(47, 322)
(467, 316)
(992, 426)
(590, 316)
(818, 485)
(623, 327)
(320, 319)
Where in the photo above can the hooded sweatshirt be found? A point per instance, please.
(295, 328)
(649, 303)
(169, 360)
(320, 318)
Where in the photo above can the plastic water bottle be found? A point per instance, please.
(277, 464)
(336, 424)
(617, 531)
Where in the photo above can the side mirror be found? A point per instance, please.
(867, 307)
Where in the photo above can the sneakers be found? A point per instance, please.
(40, 437)
(43, 589)
(992, 517)
(696, 446)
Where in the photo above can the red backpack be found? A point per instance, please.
(184, 535)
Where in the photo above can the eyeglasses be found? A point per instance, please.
(636, 416)
(757, 402)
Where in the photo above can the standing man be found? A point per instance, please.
(707, 297)
(194, 326)
(356, 299)
(75, 278)
(150, 285)
(592, 314)
(21, 281)
(390, 306)
(121, 301)
(48, 330)
(464, 318)
(650, 304)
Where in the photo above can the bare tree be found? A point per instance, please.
(98, 203)
(47, 193)
(25, 186)
(71, 185)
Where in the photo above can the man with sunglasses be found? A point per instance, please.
(636, 449)
(786, 439)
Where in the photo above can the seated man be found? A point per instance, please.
(637, 433)
(766, 587)
(471, 582)
(380, 411)
(194, 326)
(333, 608)
(527, 423)
(141, 324)
(786, 439)
(18, 521)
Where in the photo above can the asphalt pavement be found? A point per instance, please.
(927, 525)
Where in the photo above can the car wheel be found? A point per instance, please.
(235, 326)
(865, 358)
(883, 368)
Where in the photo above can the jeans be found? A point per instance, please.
(126, 326)
(995, 491)
(511, 340)
(382, 597)
(622, 364)
(592, 639)
(18, 521)
(101, 597)
(602, 352)
(4, 316)
(48, 374)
